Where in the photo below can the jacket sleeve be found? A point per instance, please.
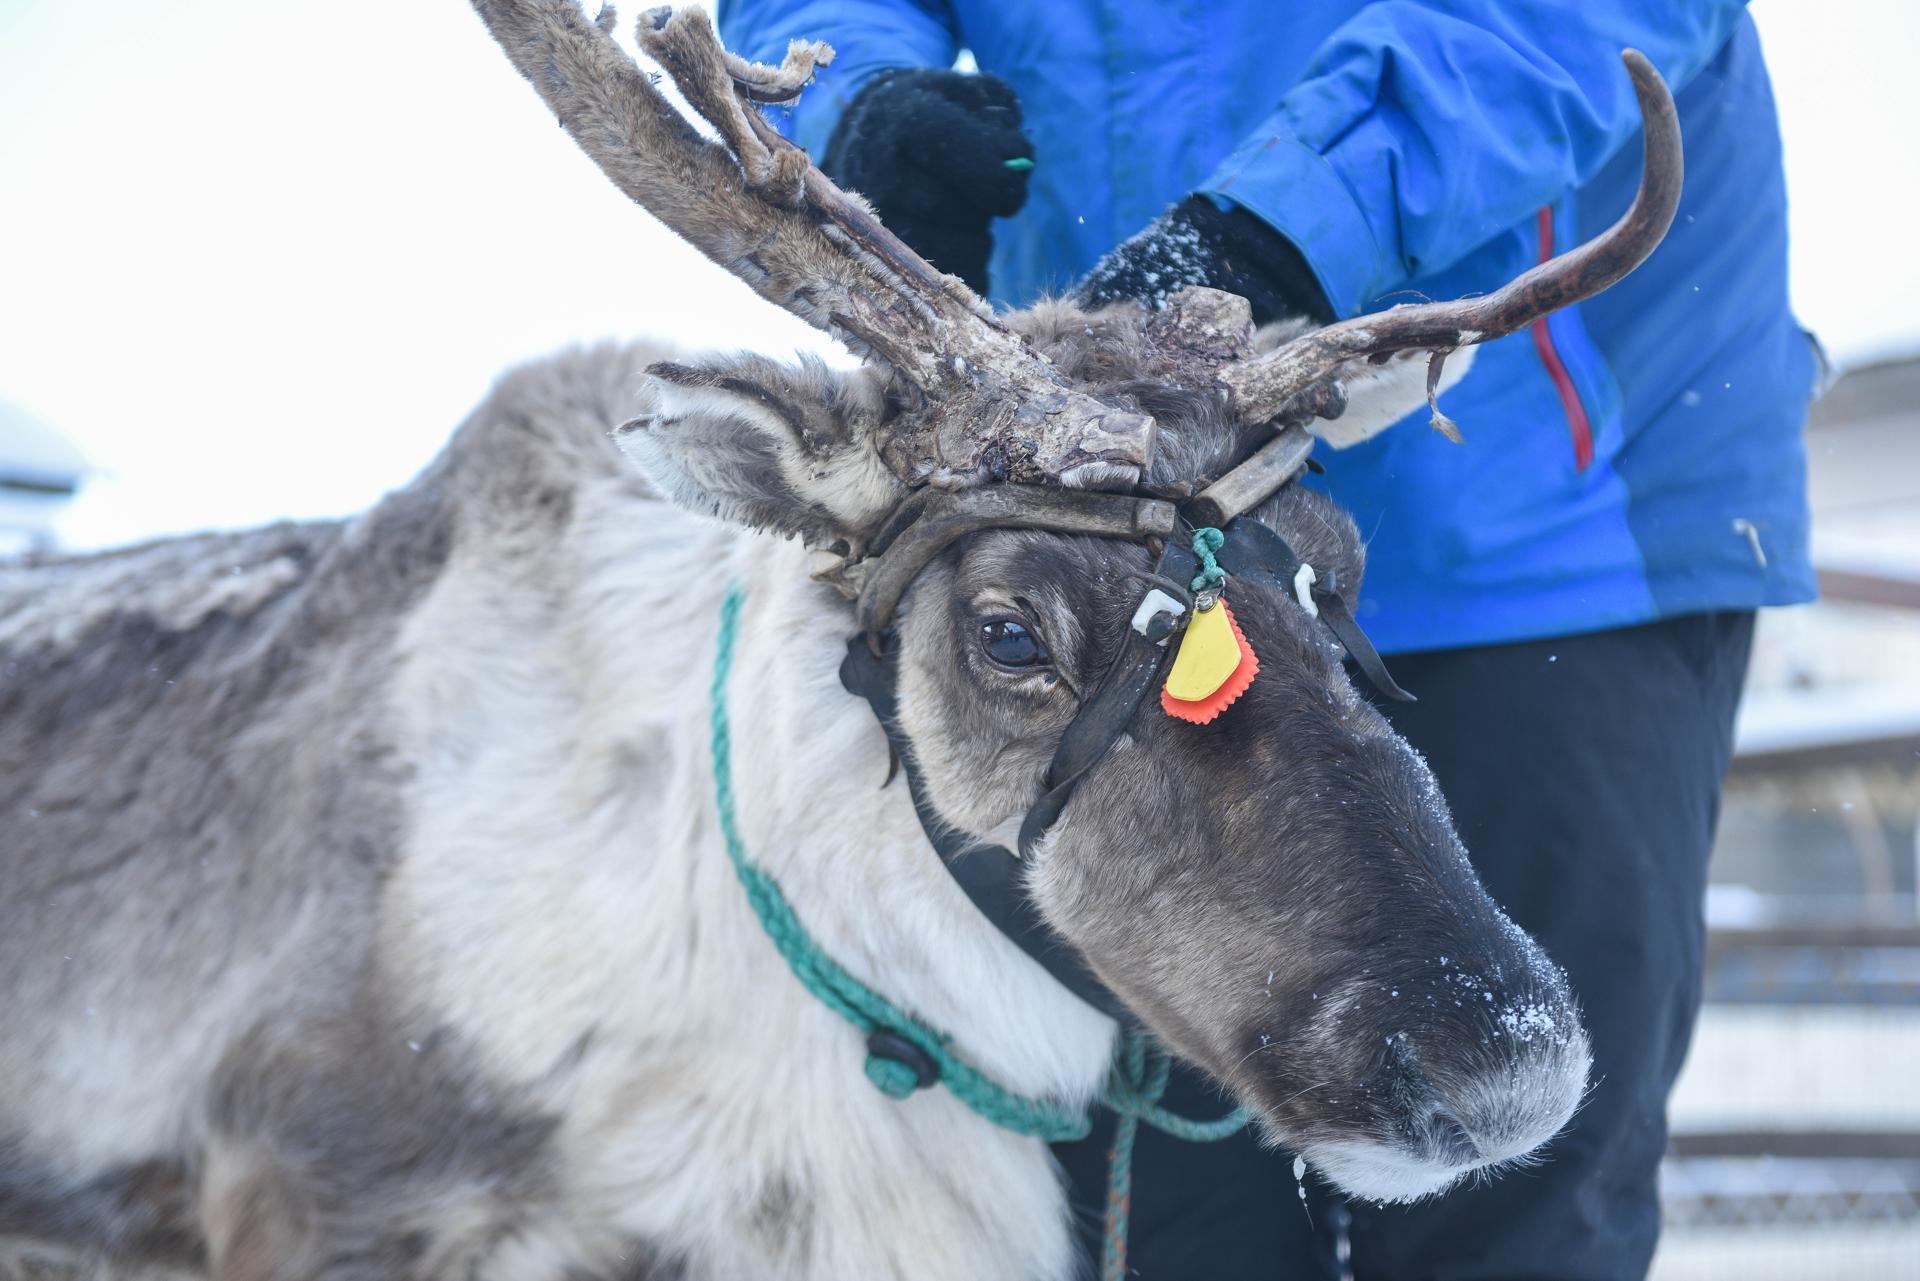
(868, 37)
(1419, 131)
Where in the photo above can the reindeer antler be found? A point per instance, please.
(1262, 386)
(754, 205)
(991, 408)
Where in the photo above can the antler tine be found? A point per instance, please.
(788, 79)
(1261, 387)
(715, 82)
(755, 206)
(685, 46)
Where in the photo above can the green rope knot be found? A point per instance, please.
(1206, 542)
(1139, 1079)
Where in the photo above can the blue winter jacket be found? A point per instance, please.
(1635, 457)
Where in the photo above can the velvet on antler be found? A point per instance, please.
(985, 406)
(990, 407)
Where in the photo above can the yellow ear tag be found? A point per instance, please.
(1213, 667)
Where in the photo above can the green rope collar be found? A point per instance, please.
(1134, 1085)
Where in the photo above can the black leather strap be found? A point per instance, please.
(1341, 622)
(988, 874)
(1101, 721)
(1253, 548)
(1103, 717)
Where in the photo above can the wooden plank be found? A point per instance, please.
(1859, 587)
(1847, 935)
(1882, 1145)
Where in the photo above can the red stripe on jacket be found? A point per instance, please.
(1556, 369)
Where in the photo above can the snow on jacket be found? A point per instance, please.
(1635, 457)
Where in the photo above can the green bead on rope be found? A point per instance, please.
(895, 1079)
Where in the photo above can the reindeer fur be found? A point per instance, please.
(376, 867)
(370, 917)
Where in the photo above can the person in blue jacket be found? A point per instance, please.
(1570, 593)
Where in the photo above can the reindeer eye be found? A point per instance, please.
(1008, 642)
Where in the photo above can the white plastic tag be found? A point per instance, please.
(1155, 602)
(1303, 581)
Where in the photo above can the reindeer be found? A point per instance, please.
(372, 911)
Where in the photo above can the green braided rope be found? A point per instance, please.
(1139, 1078)
(842, 993)
(1130, 1057)
(1134, 1085)
(1206, 542)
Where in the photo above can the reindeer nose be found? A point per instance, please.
(1447, 1141)
(1519, 1081)
(1434, 1128)
(1457, 1119)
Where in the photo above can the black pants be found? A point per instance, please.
(1584, 775)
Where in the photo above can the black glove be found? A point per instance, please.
(939, 155)
(1197, 243)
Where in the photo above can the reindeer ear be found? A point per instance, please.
(785, 448)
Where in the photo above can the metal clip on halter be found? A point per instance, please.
(886, 1044)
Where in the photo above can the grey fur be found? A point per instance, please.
(203, 797)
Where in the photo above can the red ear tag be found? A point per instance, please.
(1213, 668)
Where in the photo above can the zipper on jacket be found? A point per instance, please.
(1576, 412)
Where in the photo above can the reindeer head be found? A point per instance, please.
(1278, 893)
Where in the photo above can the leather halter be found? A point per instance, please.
(989, 874)
(929, 522)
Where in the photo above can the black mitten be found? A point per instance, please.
(939, 154)
(1197, 243)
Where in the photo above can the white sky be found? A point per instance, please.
(257, 260)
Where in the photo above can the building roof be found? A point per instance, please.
(34, 456)
(1884, 389)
